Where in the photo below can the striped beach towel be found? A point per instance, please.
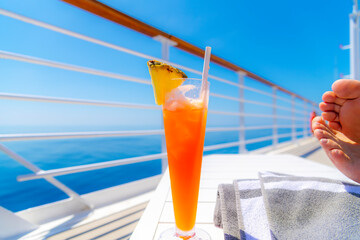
(278, 206)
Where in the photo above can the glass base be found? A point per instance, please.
(175, 234)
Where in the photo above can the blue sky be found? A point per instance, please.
(293, 44)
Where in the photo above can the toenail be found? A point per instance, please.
(317, 131)
(323, 140)
(336, 151)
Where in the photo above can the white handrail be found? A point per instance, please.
(251, 115)
(100, 134)
(221, 146)
(24, 97)
(117, 104)
(70, 67)
(89, 167)
(239, 100)
(253, 102)
(260, 139)
(71, 135)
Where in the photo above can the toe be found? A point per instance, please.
(346, 88)
(317, 123)
(339, 158)
(318, 119)
(330, 116)
(331, 97)
(334, 152)
(326, 107)
(323, 133)
(335, 125)
(329, 144)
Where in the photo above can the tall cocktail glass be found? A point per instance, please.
(184, 113)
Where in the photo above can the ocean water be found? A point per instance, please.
(51, 154)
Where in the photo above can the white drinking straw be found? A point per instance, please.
(206, 67)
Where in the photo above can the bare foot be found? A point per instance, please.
(341, 108)
(343, 152)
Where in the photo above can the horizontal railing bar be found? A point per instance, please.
(242, 114)
(239, 114)
(70, 67)
(224, 113)
(100, 134)
(271, 127)
(290, 126)
(253, 102)
(283, 99)
(284, 135)
(23, 97)
(290, 101)
(259, 127)
(252, 115)
(70, 135)
(259, 91)
(260, 139)
(233, 144)
(225, 97)
(289, 109)
(221, 146)
(11, 96)
(95, 134)
(90, 167)
(222, 129)
(239, 99)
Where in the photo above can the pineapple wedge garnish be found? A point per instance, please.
(164, 78)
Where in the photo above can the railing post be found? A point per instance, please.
(275, 128)
(165, 47)
(242, 145)
(293, 120)
(306, 119)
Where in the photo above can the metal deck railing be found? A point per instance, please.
(303, 109)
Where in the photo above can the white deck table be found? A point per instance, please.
(218, 169)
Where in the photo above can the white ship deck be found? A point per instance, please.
(119, 220)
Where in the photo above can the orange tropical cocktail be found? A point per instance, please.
(185, 103)
(184, 132)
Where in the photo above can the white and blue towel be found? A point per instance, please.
(278, 206)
